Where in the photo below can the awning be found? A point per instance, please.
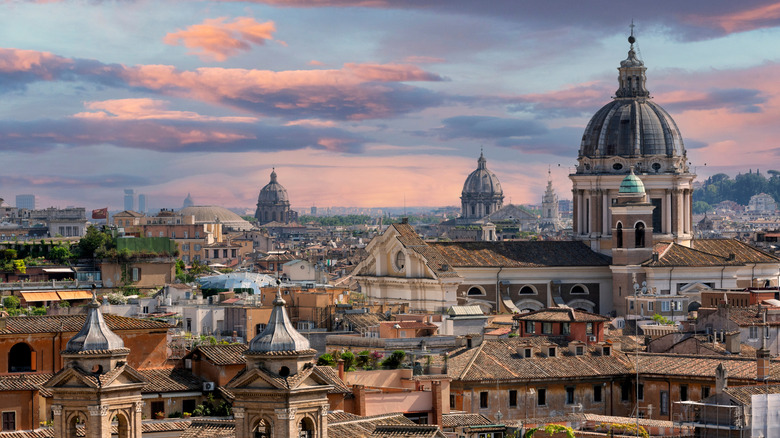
(510, 305)
(57, 270)
(32, 297)
(75, 295)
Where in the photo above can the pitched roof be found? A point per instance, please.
(410, 324)
(708, 252)
(434, 259)
(459, 420)
(224, 354)
(331, 376)
(24, 382)
(362, 321)
(361, 427)
(210, 428)
(74, 323)
(519, 254)
(501, 359)
(406, 431)
(743, 394)
(748, 316)
(146, 427)
(170, 380)
(561, 314)
(686, 366)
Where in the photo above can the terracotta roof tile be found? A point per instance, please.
(407, 431)
(460, 420)
(361, 427)
(682, 366)
(331, 376)
(210, 428)
(170, 380)
(561, 314)
(709, 252)
(73, 323)
(24, 382)
(743, 394)
(230, 354)
(522, 254)
(434, 259)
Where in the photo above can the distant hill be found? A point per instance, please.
(721, 187)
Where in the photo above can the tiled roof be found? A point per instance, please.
(520, 254)
(361, 427)
(170, 380)
(561, 314)
(684, 366)
(331, 376)
(410, 324)
(210, 428)
(148, 426)
(225, 354)
(743, 394)
(748, 316)
(24, 382)
(74, 323)
(709, 252)
(407, 431)
(459, 420)
(434, 259)
(502, 359)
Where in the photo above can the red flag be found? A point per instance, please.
(101, 213)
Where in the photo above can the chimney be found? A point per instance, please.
(469, 343)
(341, 368)
(721, 379)
(438, 403)
(763, 358)
(3, 319)
(359, 391)
(733, 345)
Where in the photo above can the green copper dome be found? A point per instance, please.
(632, 184)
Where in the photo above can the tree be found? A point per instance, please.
(395, 360)
(93, 240)
(349, 360)
(326, 360)
(700, 207)
(11, 302)
(551, 429)
(59, 254)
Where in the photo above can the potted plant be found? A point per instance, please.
(159, 415)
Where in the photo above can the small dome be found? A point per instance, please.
(632, 184)
(209, 214)
(273, 192)
(279, 336)
(94, 334)
(482, 182)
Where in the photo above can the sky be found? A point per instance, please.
(364, 103)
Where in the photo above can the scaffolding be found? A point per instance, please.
(713, 420)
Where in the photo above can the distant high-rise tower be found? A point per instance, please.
(142, 203)
(550, 217)
(25, 201)
(129, 199)
(313, 210)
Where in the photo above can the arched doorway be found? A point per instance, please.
(20, 358)
(306, 428)
(262, 429)
(77, 420)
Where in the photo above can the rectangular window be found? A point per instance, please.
(683, 392)
(596, 393)
(541, 397)
(452, 401)
(589, 328)
(657, 214)
(569, 395)
(580, 350)
(630, 305)
(547, 328)
(625, 391)
(185, 258)
(753, 332)
(161, 234)
(528, 352)
(483, 400)
(196, 257)
(186, 235)
(9, 420)
(664, 402)
(530, 327)
(551, 352)
(650, 306)
(148, 234)
(136, 274)
(664, 306)
(641, 391)
(224, 253)
(197, 234)
(188, 405)
(705, 391)
(197, 247)
(565, 328)
(512, 398)
(158, 406)
(233, 253)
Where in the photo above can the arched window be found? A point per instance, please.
(487, 208)
(473, 210)
(21, 358)
(262, 430)
(400, 260)
(77, 419)
(527, 290)
(578, 289)
(475, 291)
(639, 235)
(619, 235)
(307, 428)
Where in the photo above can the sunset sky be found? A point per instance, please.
(366, 103)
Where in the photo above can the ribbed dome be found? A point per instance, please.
(94, 334)
(209, 214)
(273, 192)
(482, 182)
(279, 336)
(631, 126)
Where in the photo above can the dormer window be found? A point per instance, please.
(580, 350)
(551, 351)
(528, 353)
(606, 350)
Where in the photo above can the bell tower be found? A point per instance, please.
(96, 385)
(278, 394)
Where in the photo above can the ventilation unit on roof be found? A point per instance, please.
(592, 338)
(208, 386)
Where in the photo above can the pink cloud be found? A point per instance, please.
(219, 39)
(147, 109)
(742, 21)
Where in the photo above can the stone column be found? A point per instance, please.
(667, 206)
(679, 204)
(606, 228)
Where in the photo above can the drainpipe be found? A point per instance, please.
(498, 289)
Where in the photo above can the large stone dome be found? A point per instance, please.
(482, 182)
(273, 192)
(632, 131)
(482, 194)
(209, 214)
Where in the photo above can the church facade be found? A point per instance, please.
(632, 232)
